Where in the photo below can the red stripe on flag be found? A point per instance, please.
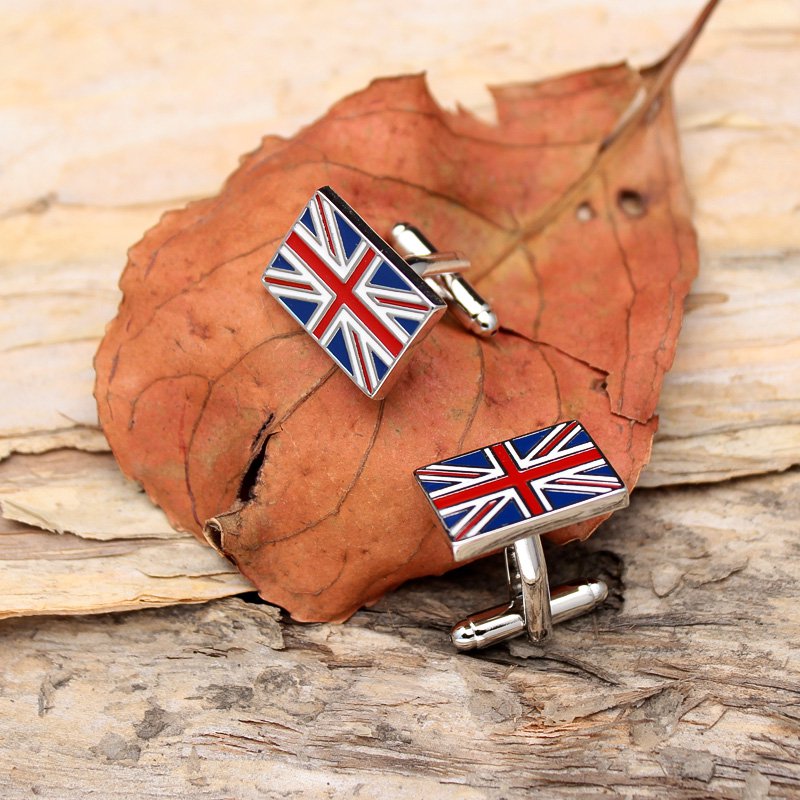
(519, 480)
(343, 294)
(445, 474)
(288, 284)
(476, 519)
(560, 438)
(516, 479)
(607, 485)
(363, 363)
(401, 304)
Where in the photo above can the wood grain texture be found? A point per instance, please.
(67, 574)
(74, 202)
(686, 685)
(125, 555)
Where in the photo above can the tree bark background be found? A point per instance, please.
(686, 685)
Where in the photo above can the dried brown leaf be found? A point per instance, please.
(574, 211)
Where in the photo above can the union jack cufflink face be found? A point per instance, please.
(353, 294)
(531, 484)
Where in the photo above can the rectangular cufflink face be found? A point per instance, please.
(353, 294)
(530, 484)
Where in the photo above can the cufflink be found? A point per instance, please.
(507, 495)
(367, 304)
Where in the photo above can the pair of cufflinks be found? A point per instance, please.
(368, 305)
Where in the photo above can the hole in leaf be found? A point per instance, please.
(631, 203)
(585, 212)
(259, 452)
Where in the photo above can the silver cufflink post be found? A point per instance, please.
(441, 271)
(507, 495)
(533, 608)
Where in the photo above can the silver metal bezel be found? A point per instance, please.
(438, 306)
(549, 521)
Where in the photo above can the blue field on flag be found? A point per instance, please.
(363, 306)
(519, 483)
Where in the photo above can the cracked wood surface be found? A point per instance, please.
(686, 685)
(739, 142)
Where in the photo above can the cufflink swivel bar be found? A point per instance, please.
(533, 608)
(441, 272)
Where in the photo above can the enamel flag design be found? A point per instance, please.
(534, 483)
(351, 292)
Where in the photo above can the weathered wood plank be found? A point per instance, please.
(731, 404)
(126, 556)
(73, 202)
(64, 574)
(687, 685)
(57, 492)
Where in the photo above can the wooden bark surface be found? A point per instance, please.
(687, 685)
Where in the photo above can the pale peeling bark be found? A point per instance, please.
(58, 290)
(125, 555)
(685, 685)
(731, 403)
(58, 492)
(44, 573)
